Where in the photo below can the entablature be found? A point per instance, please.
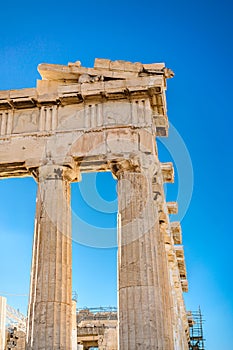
(89, 90)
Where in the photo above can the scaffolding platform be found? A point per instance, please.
(195, 320)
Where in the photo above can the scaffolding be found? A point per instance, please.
(15, 319)
(195, 321)
(97, 313)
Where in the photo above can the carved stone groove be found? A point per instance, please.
(141, 286)
(49, 324)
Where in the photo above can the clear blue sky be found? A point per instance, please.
(195, 40)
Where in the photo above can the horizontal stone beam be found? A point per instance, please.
(13, 170)
(85, 330)
(88, 338)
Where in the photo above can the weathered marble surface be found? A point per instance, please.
(104, 118)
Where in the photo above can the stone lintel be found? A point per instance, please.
(16, 169)
(176, 232)
(30, 168)
(114, 166)
(167, 172)
(172, 207)
(86, 338)
(115, 163)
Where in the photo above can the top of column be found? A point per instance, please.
(68, 172)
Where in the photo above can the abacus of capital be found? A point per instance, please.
(104, 118)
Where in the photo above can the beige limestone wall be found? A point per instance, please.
(15, 339)
(109, 339)
(102, 333)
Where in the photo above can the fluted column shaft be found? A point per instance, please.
(142, 320)
(165, 278)
(50, 305)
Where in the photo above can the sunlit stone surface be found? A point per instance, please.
(99, 119)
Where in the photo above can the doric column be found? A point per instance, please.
(172, 287)
(50, 304)
(164, 272)
(142, 320)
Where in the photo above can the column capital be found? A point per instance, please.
(141, 163)
(55, 171)
(125, 165)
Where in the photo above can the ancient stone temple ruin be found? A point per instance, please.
(104, 118)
